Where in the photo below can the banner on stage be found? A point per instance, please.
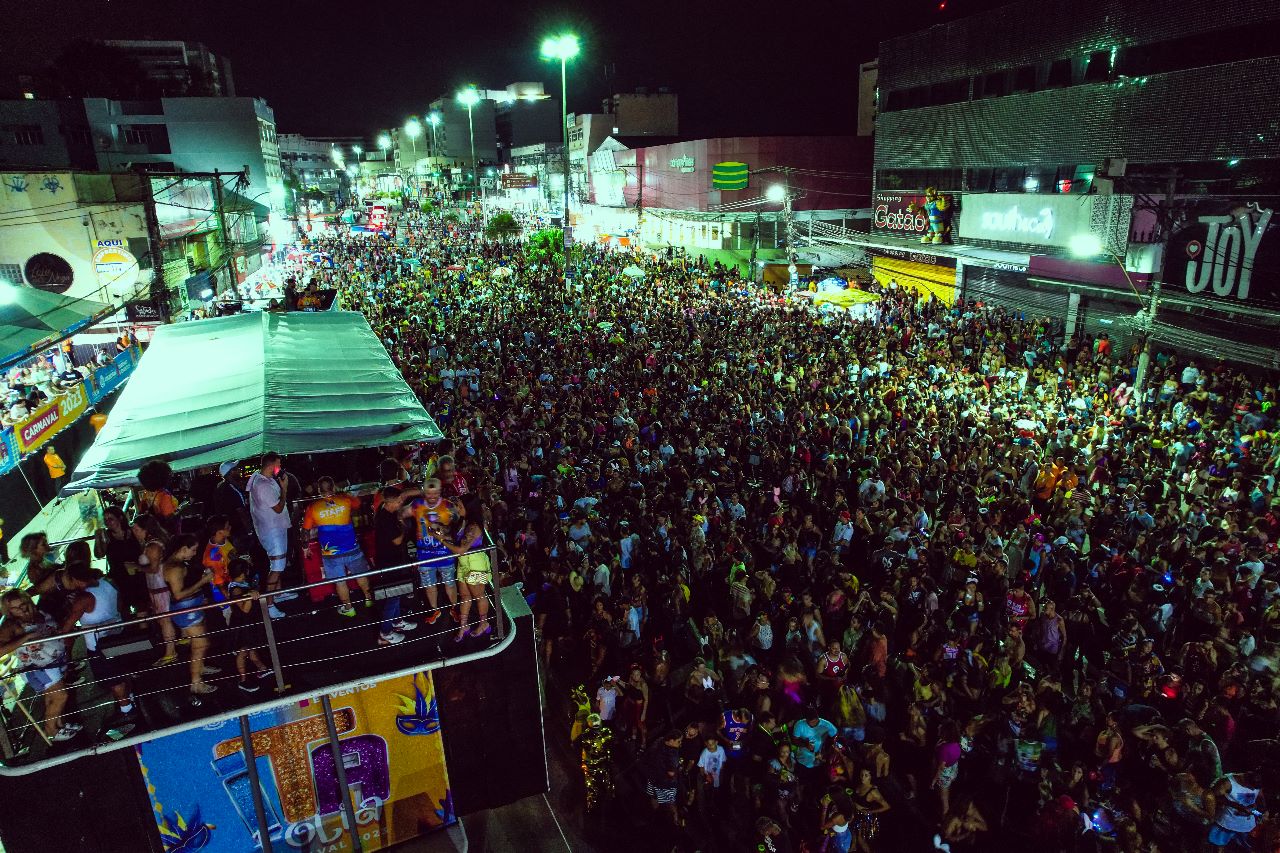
(391, 751)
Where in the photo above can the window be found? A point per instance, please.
(950, 92)
(1008, 180)
(1059, 74)
(1024, 80)
(1098, 69)
(11, 273)
(78, 135)
(155, 137)
(993, 85)
(27, 134)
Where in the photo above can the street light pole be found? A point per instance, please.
(563, 48)
(564, 135)
(469, 98)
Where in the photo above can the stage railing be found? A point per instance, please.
(13, 700)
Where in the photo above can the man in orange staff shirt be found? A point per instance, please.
(330, 518)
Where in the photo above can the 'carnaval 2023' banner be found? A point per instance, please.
(391, 750)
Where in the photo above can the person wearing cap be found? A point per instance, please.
(432, 515)
(231, 499)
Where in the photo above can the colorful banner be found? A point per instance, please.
(8, 452)
(106, 379)
(391, 749)
(50, 419)
(1227, 253)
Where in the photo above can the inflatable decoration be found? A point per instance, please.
(938, 210)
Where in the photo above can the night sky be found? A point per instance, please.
(352, 68)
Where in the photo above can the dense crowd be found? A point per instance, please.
(935, 578)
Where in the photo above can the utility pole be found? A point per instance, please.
(786, 214)
(755, 245)
(153, 236)
(1147, 319)
(222, 230)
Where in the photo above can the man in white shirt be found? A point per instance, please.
(268, 490)
(1190, 374)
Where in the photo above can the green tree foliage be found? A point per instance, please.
(502, 226)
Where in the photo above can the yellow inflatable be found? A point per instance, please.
(846, 298)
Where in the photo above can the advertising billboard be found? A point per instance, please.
(50, 419)
(890, 215)
(391, 751)
(184, 206)
(1227, 253)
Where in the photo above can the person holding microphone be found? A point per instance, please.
(269, 506)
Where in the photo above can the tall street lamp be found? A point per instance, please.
(433, 119)
(413, 129)
(469, 97)
(563, 47)
(384, 142)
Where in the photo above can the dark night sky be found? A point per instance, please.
(328, 69)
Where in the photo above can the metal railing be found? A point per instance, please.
(492, 594)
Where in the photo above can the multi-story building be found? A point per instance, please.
(732, 199)
(1086, 150)
(634, 114)
(159, 135)
(179, 68)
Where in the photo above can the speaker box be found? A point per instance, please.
(491, 721)
(95, 804)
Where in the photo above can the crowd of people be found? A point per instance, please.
(206, 548)
(938, 577)
(935, 578)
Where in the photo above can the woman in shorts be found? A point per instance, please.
(187, 582)
(474, 575)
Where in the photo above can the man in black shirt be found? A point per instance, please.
(389, 534)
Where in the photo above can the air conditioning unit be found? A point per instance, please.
(1114, 167)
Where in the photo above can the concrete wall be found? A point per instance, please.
(48, 217)
(61, 148)
(205, 134)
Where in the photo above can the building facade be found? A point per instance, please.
(159, 135)
(75, 234)
(1084, 151)
(179, 68)
(735, 199)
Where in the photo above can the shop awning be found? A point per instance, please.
(32, 319)
(231, 388)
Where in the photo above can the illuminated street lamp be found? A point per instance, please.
(433, 119)
(563, 47)
(413, 129)
(469, 97)
(384, 142)
(357, 150)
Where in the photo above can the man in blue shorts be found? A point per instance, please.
(433, 515)
(331, 520)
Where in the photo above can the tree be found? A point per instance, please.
(502, 227)
(547, 245)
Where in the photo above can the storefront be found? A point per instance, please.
(1092, 296)
(924, 272)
